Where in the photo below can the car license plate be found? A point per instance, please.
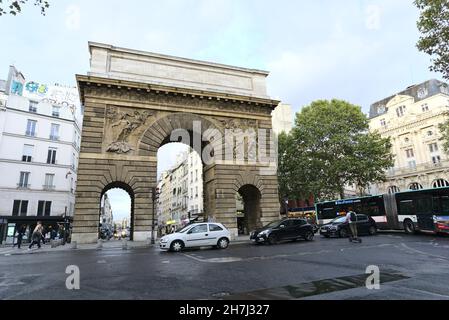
(323, 230)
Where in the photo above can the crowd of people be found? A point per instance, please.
(39, 234)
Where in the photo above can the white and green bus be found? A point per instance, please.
(421, 210)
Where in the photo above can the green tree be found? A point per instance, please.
(433, 24)
(15, 7)
(328, 148)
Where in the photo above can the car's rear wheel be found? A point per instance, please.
(308, 236)
(176, 246)
(223, 243)
(343, 233)
(372, 230)
(273, 239)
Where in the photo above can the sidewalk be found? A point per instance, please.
(105, 245)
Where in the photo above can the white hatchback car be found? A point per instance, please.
(197, 235)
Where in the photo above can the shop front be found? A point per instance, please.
(54, 227)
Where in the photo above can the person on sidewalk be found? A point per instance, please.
(351, 218)
(20, 234)
(36, 237)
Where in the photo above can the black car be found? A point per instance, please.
(281, 230)
(340, 227)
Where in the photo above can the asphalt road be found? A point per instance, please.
(411, 267)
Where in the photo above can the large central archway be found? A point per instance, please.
(135, 102)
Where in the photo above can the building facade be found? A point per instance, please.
(40, 133)
(282, 118)
(411, 118)
(181, 192)
(106, 216)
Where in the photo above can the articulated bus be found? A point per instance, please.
(421, 210)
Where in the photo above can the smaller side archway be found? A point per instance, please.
(125, 187)
(251, 198)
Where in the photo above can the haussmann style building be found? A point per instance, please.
(411, 118)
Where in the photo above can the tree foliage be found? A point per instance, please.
(15, 7)
(433, 24)
(328, 148)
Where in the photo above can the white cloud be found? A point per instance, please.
(300, 71)
(73, 17)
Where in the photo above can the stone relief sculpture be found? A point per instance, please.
(123, 124)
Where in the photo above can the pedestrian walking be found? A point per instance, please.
(36, 237)
(351, 218)
(20, 233)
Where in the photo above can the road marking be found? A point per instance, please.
(423, 253)
(101, 261)
(278, 256)
(165, 261)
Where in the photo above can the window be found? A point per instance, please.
(32, 106)
(196, 175)
(55, 111)
(51, 156)
(191, 176)
(199, 229)
(31, 128)
(214, 227)
(433, 147)
(425, 107)
(20, 207)
(27, 154)
(24, 180)
(49, 179)
(54, 133)
(44, 208)
(415, 186)
(400, 111)
(440, 183)
(393, 189)
(406, 140)
(196, 192)
(409, 153)
(429, 133)
(412, 164)
(383, 123)
(73, 161)
(436, 159)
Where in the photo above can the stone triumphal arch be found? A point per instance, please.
(135, 102)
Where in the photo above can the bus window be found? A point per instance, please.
(444, 204)
(328, 213)
(436, 205)
(423, 205)
(406, 207)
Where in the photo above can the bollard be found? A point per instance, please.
(74, 244)
(124, 244)
(100, 244)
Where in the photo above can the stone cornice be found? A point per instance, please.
(90, 81)
(412, 124)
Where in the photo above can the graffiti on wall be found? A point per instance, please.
(56, 95)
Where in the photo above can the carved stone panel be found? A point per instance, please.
(123, 129)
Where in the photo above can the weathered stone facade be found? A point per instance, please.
(126, 122)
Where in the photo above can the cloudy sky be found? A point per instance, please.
(357, 50)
